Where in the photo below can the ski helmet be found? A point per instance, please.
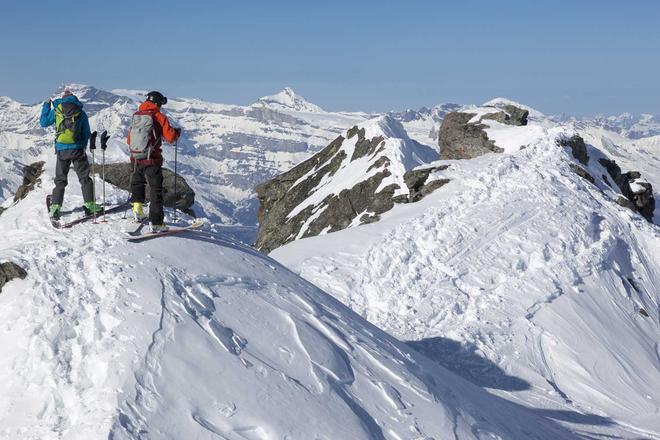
(156, 98)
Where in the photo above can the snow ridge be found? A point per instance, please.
(197, 336)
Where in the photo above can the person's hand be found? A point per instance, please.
(178, 132)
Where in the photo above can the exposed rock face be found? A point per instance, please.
(577, 146)
(638, 195)
(416, 181)
(461, 139)
(31, 177)
(511, 115)
(10, 271)
(357, 177)
(119, 174)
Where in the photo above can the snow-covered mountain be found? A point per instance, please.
(198, 336)
(527, 293)
(523, 273)
(288, 100)
(358, 176)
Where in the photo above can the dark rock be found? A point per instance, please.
(622, 201)
(119, 175)
(10, 271)
(31, 177)
(416, 182)
(367, 147)
(582, 173)
(459, 139)
(278, 197)
(643, 312)
(577, 146)
(518, 115)
(641, 201)
(511, 115)
(2, 210)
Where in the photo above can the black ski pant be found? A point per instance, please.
(153, 175)
(65, 158)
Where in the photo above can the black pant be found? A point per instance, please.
(153, 175)
(78, 158)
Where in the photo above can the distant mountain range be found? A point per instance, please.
(226, 150)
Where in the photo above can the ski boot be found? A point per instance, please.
(138, 212)
(92, 208)
(55, 211)
(159, 228)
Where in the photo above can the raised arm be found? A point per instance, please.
(47, 115)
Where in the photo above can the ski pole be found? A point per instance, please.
(176, 154)
(104, 144)
(92, 146)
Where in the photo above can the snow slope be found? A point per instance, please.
(197, 336)
(519, 275)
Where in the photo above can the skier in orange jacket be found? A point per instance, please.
(149, 168)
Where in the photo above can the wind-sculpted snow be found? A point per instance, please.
(547, 285)
(197, 336)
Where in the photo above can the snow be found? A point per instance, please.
(537, 277)
(198, 336)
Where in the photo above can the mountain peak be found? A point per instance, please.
(502, 102)
(288, 99)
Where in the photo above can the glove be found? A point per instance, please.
(178, 132)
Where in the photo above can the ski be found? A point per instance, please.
(57, 222)
(138, 231)
(172, 230)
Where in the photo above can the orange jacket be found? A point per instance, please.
(163, 130)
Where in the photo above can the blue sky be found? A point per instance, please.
(579, 57)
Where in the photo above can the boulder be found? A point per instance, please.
(10, 271)
(31, 177)
(416, 181)
(640, 198)
(511, 115)
(119, 175)
(459, 139)
(577, 146)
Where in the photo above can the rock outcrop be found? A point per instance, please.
(10, 271)
(638, 194)
(510, 115)
(357, 177)
(418, 184)
(31, 177)
(459, 138)
(119, 175)
(577, 146)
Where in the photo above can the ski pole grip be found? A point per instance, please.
(104, 139)
(92, 141)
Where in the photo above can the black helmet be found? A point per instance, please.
(156, 98)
